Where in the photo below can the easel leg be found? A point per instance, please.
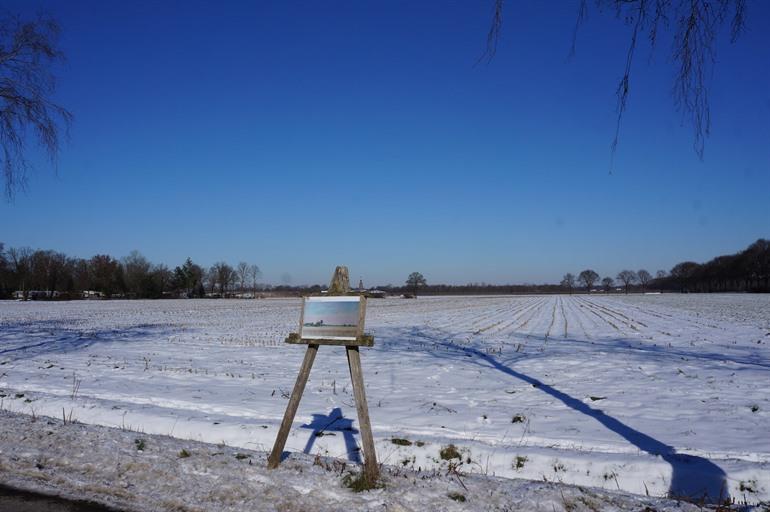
(291, 409)
(371, 471)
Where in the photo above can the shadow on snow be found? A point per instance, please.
(327, 425)
(691, 476)
(22, 340)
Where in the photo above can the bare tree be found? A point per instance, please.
(661, 274)
(105, 274)
(225, 276)
(415, 281)
(607, 284)
(46, 271)
(644, 278)
(683, 273)
(136, 274)
(568, 282)
(5, 272)
(254, 275)
(588, 277)
(242, 271)
(211, 280)
(20, 260)
(162, 277)
(696, 26)
(627, 277)
(27, 51)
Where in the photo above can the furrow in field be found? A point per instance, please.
(589, 308)
(576, 314)
(516, 315)
(564, 317)
(531, 312)
(616, 315)
(526, 318)
(553, 322)
(655, 324)
(498, 321)
(676, 319)
(540, 325)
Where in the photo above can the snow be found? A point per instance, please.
(135, 472)
(665, 395)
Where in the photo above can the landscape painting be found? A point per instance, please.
(330, 318)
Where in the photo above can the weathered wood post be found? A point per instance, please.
(339, 285)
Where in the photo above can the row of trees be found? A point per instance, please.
(744, 271)
(625, 278)
(54, 274)
(747, 270)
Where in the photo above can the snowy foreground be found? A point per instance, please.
(659, 396)
(106, 465)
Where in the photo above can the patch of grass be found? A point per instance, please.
(754, 408)
(449, 452)
(419, 444)
(183, 454)
(241, 456)
(558, 466)
(139, 443)
(456, 496)
(750, 486)
(519, 461)
(357, 482)
(401, 442)
(518, 418)
(336, 466)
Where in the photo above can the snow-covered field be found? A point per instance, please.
(659, 395)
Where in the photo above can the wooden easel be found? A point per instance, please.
(340, 285)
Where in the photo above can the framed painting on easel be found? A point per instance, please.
(332, 318)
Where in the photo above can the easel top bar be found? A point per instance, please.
(363, 340)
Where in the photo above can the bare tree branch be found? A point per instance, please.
(582, 13)
(696, 23)
(494, 33)
(623, 86)
(27, 51)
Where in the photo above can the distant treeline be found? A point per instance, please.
(46, 274)
(744, 271)
(472, 289)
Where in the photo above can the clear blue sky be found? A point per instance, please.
(303, 135)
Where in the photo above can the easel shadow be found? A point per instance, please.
(328, 425)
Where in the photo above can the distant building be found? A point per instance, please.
(373, 293)
(34, 294)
